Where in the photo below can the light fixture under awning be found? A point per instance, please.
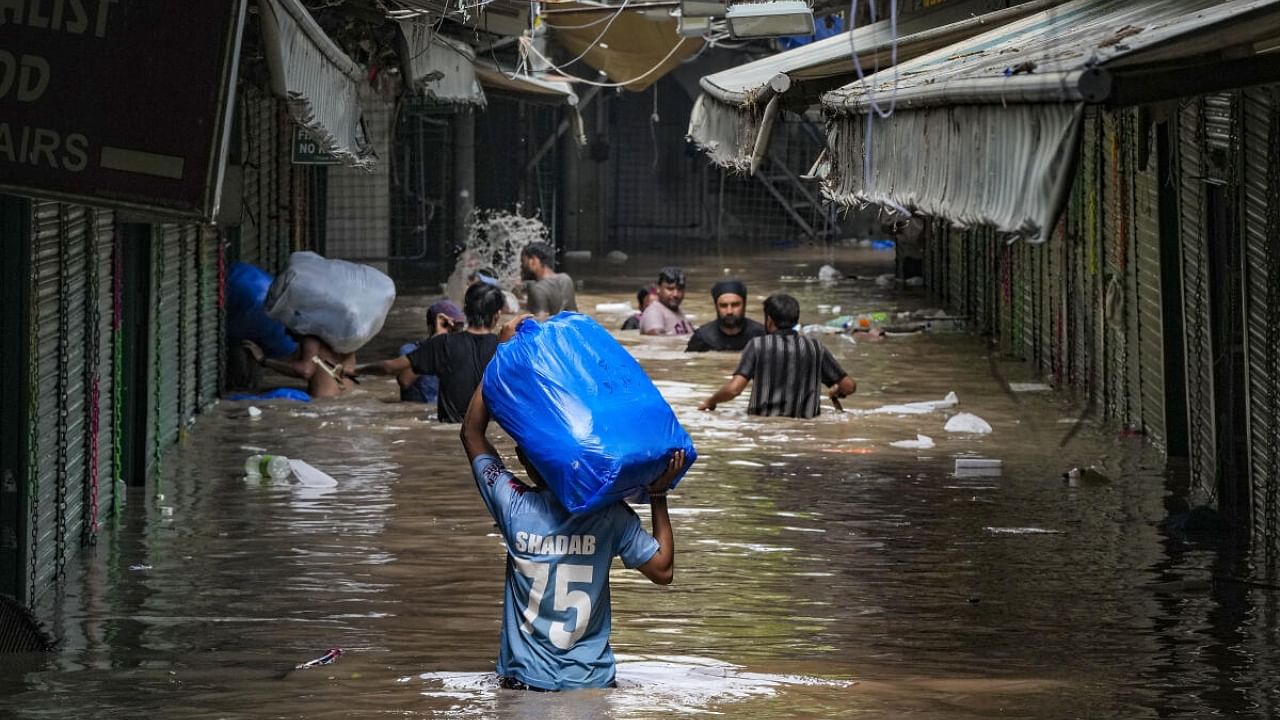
(729, 114)
(986, 132)
(439, 67)
(316, 79)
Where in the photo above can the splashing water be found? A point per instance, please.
(494, 241)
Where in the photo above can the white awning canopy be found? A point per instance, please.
(545, 88)
(986, 132)
(439, 67)
(731, 118)
(316, 79)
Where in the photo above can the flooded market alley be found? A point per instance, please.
(821, 570)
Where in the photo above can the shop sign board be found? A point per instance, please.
(118, 103)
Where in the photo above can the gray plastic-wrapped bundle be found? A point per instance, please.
(339, 302)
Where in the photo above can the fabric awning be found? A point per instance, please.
(986, 132)
(634, 48)
(439, 67)
(731, 111)
(316, 79)
(551, 89)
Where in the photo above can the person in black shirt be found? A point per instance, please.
(786, 368)
(732, 329)
(458, 359)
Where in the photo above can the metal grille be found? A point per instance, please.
(209, 344)
(422, 190)
(358, 205)
(166, 325)
(1261, 196)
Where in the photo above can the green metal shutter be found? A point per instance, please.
(955, 266)
(1149, 318)
(166, 318)
(188, 321)
(1201, 430)
(1261, 111)
(209, 318)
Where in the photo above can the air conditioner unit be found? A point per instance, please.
(770, 19)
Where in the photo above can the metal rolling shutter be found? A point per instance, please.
(1262, 308)
(1148, 321)
(209, 318)
(46, 250)
(955, 267)
(102, 232)
(250, 141)
(1024, 278)
(165, 284)
(982, 281)
(1201, 430)
(59, 432)
(1113, 252)
(188, 322)
(74, 395)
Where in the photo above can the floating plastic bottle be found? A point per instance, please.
(275, 467)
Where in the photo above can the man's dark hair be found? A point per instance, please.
(482, 304)
(643, 293)
(671, 276)
(542, 251)
(783, 310)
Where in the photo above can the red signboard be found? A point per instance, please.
(118, 102)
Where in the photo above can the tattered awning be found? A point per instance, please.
(439, 67)
(317, 80)
(733, 116)
(632, 48)
(551, 89)
(987, 131)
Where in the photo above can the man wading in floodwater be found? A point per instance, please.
(556, 614)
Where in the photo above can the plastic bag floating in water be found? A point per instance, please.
(583, 411)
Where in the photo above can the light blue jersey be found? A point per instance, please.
(556, 615)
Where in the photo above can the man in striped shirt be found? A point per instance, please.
(786, 368)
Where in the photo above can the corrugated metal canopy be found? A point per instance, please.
(728, 116)
(441, 68)
(986, 132)
(317, 80)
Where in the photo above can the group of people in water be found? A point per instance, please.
(556, 618)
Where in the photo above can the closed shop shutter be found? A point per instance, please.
(1026, 275)
(209, 344)
(1149, 318)
(1113, 253)
(1201, 431)
(188, 321)
(60, 433)
(956, 266)
(250, 141)
(1261, 111)
(100, 474)
(166, 318)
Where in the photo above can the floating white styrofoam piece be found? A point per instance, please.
(1029, 387)
(617, 308)
(920, 408)
(922, 442)
(967, 423)
(254, 412)
(979, 467)
(826, 273)
(309, 476)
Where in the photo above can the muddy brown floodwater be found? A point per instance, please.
(821, 571)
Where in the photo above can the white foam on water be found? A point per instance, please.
(686, 685)
(1021, 531)
(745, 463)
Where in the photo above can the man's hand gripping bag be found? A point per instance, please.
(583, 411)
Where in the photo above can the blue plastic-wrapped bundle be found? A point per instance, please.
(583, 411)
(247, 319)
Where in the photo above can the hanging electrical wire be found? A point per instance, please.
(530, 47)
(600, 37)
